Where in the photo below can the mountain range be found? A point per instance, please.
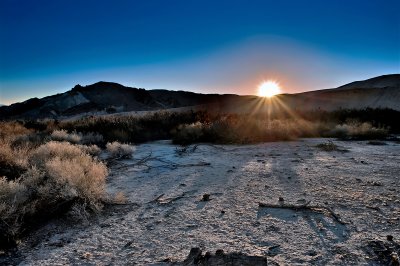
(107, 97)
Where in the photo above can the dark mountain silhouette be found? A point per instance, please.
(108, 97)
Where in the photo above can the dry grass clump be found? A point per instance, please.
(93, 150)
(52, 179)
(120, 198)
(329, 146)
(361, 131)
(76, 137)
(117, 149)
(244, 129)
(9, 131)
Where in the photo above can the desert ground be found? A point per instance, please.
(317, 207)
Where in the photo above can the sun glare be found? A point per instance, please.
(268, 89)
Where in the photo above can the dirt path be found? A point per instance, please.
(168, 218)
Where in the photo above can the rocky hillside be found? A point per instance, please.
(107, 97)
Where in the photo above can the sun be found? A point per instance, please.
(268, 89)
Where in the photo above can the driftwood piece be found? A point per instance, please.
(314, 208)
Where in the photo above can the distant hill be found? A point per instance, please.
(378, 92)
(107, 97)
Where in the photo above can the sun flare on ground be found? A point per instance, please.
(268, 89)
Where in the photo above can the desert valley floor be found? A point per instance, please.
(354, 195)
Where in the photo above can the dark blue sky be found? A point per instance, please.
(205, 46)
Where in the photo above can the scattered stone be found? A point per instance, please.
(312, 253)
(195, 257)
(105, 225)
(274, 250)
(206, 197)
(86, 255)
(219, 252)
(383, 252)
(128, 244)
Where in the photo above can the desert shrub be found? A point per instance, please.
(120, 198)
(132, 128)
(93, 150)
(203, 126)
(13, 161)
(117, 149)
(328, 146)
(91, 138)
(356, 130)
(63, 135)
(76, 137)
(56, 177)
(11, 130)
(244, 129)
(31, 140)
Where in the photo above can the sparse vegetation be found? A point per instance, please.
(329, 146)
(117, 149)
(360, 131)
(76, 138)
(37, 183)
(48, 167)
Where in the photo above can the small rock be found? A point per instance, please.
(104, 225)
(312, 253)
(219, 252)
(128, 244)
(281, 199)
(389, 237)
(222, 211)
(206, 197)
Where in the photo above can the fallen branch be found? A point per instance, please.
(156, 199)
(314, 208)
(170, 200)
(143, 160)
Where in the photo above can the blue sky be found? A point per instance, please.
(47, 47)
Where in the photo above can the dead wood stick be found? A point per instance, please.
(144, 159)
(156, 199)
(170, 200)
(303, 207)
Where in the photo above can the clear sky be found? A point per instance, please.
(216, 46)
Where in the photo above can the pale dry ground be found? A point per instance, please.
(362, 186)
